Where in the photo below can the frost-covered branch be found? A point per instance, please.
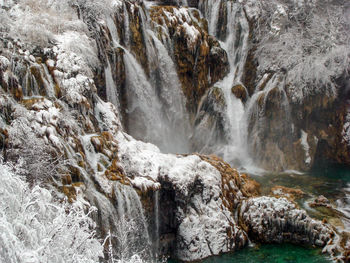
(30, 220)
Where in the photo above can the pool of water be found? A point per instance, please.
(332, 182)
(329, 181)
(272, 253)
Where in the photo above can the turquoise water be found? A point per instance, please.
(329, 181)
(284, 253)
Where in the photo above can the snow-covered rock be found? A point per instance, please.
(205, 226)
(270, 219)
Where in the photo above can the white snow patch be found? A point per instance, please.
(306, 146)
(204, 222)
(4, 63)
(192, 34)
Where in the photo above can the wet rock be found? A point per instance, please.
(289, 193)
(199, 190)
(240, 92)
(321, 201)
(200, 59)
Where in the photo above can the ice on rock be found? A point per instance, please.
(271, 219)
(306, 146)
(204, 222)
(4, 63)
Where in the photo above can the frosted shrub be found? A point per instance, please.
(34, 228)
(128, 248)
(37, 160)
(307, 39)
(50, 22)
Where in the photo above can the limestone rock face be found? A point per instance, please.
(197, 198)
(240, 92)
(200, 59)
(270, 219)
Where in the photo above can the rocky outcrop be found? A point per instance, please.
(201, 196)
(200, 59)
(314, 130)
(240, 92)
(270, 219)
(289, 193)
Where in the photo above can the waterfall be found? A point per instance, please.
(155, 104)
(126, 26)
(143, 107)
(125, 218)
(38, 81)
(235, 150)
(111, 89)
(343, 205)
(168, 85)
(132, 230)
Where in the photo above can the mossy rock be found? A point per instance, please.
(36, 73)
(218, 95)
(240, 92)
(28, 103)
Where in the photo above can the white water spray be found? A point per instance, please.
(236, 149)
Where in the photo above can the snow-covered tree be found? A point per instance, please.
(307, 39)
(36, 159)
(35, 228)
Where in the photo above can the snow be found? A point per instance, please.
(144, 159)
(204, 220)
(252, 8)
(192, 34)
(182, 19)
(50, 63)
(35, 228)
(311, 56)
(279, 220)
(346, 128)
(78, 43)
(107, 116)
(306, 147)
(4, 63)
(144, 184)
(278, 19)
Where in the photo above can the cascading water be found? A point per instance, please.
(111, 90)
(343, 205)
(155, 105)
(125, 219)
(38, 81)
(235, 43)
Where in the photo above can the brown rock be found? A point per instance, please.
(251, 188)
(289, 193)
(234, 185)
(321, 201)
(240, 92)
(196, 58)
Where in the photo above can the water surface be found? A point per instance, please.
(271, 253)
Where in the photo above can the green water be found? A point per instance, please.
(284, 253)
(328, 181)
